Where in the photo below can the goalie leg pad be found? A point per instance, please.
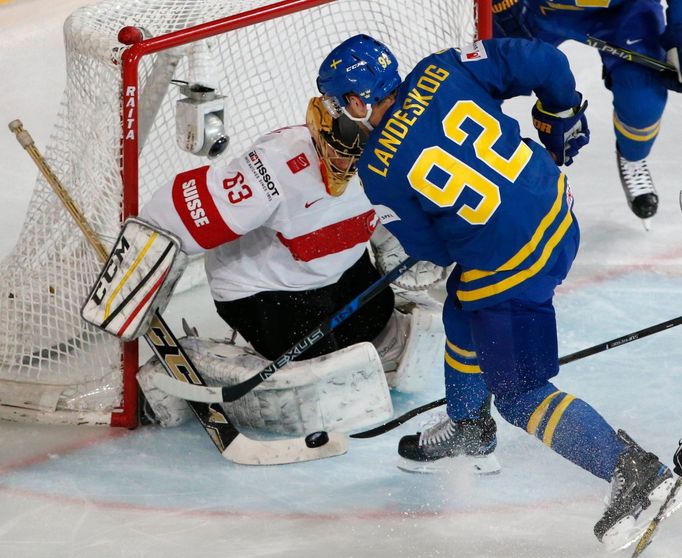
(161, 408)
(136, 281)
(341, 391)
(412, 347)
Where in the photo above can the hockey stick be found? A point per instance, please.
(223, 394)
(394, 423)
(233, 445)
(629, 55)
(663, 512)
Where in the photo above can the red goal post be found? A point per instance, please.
(115, 143)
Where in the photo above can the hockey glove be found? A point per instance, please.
(671, 40)
(388, 253)
(136, 281)
(509, 19)
(563, 133)
(677, 460)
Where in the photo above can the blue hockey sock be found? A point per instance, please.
(569, 426)
(465, 389)
(639, 98)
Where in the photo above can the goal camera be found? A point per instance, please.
(199, 121)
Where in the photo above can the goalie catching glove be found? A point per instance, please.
(136, 281)
(388, 253)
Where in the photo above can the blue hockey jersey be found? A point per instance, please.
(631, 24)
(639, 94)
(454, 181)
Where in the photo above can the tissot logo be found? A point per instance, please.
(263, 175)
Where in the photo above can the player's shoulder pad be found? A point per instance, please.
(473, 52)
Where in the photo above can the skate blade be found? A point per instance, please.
(630, 529)
(475, 465)
(647, 224)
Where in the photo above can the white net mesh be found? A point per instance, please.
(266, 72)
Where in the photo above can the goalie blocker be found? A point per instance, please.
(136, 281)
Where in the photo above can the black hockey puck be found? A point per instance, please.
(316, 439)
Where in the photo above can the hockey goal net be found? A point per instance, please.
(115, 142)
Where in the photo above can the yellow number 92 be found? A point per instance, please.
(461, 175)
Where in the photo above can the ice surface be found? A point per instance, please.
(89, 492)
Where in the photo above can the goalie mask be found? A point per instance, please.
(338, 142)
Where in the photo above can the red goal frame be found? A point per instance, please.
(127, 417)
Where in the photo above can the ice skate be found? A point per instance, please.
(437, 447)
(638, 187)
(639, 486)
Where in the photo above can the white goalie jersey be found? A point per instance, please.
(265, 219)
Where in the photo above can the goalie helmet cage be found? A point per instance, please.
(114, 144)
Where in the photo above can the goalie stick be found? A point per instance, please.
(224, 394)
(232, 444)
(396, 422)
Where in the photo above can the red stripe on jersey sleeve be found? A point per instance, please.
(332, 239)
(198, 212)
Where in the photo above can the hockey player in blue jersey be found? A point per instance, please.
(453, 180)
(639, 94)
(672, 39)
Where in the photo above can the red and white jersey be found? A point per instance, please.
(265, 219)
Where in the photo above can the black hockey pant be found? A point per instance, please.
(274, 321)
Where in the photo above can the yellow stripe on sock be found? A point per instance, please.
(460, 367)
(636, 134)
(461, 352)
(555, 418)
(539, 414)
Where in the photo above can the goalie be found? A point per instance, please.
(285, 230)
